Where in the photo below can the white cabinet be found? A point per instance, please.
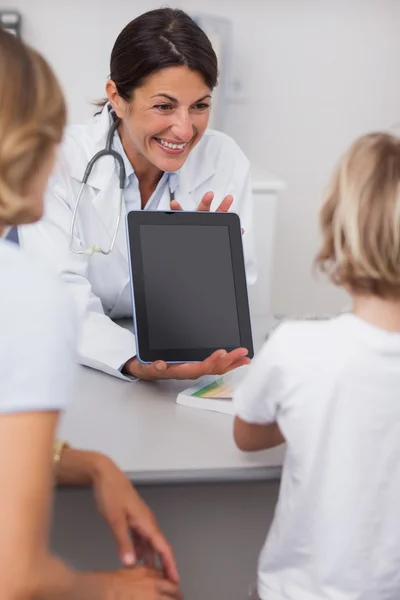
(266, 189)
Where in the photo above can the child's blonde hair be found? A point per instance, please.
(360, 219)
(32, 118)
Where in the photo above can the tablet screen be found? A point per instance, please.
(189, 287)
(188, 283)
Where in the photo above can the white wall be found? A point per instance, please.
(316, 74)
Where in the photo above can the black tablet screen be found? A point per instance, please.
(189, 287)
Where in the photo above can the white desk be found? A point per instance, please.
(216, 524)
(153, 439)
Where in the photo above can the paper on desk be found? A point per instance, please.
(213, 393)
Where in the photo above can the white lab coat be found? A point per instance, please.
(99, 284)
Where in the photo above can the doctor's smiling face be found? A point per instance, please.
(166, 117)
(163, 69)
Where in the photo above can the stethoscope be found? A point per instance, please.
(108, 151)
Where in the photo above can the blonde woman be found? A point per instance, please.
(331, 389)
(37, 331)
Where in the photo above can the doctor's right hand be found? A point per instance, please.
(139, 583)
(219, 363)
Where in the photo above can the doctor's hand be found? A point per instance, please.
(219, 363)
(205, 204)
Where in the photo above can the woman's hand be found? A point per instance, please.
(140, 583)
(219, 363)
(121, 507)
(125, 512)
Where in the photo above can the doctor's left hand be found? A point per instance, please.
(122, 508)
(219, 363)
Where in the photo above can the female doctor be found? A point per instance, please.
(163, 71)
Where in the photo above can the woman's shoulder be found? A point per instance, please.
(79, 144)
(18, 266)
(29, 289)
(85, 139)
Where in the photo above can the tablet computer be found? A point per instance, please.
(188, 285)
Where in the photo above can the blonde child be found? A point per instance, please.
(331, 390)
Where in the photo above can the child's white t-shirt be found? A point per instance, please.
(334, 389)
(37, 336)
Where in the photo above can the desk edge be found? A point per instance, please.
(204, 476)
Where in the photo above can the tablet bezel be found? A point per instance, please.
(134, 220)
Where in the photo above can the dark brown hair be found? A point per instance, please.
(156, 40)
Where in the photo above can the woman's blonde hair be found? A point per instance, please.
(32, 118)
(360, 219)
